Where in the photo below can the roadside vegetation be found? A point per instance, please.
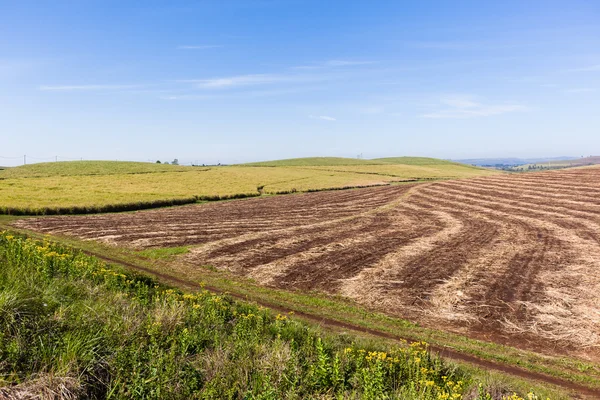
(80, 187)
(315, 307)
(72, 326)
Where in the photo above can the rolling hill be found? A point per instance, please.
(103, 186)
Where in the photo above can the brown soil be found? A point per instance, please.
(511, 258)
(578, 391)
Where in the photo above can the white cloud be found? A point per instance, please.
(372, 110)
(461, 102)
(240, 80)
(199, 47)
(239, 94)
(346, 63)
(86, 87)
(589, 68)
(461, 106)
(253, 80)
(580, 90)
(441, 45)
(322, 117)
(334, 64)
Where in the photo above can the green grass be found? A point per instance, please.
(415, 161)
(338, 161)
(164, 253)
(311, 161)
(411, 172)
(343, 310)
(71, 323)
(99, 186)
(77, 168)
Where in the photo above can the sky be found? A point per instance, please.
(236, 81)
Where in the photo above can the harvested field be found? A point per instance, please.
(499, 257)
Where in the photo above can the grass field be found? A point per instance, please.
(78, 168)
(339, 161)
(95, 186)
(74, 327)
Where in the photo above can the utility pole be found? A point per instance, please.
(25, 160)
(56, 159)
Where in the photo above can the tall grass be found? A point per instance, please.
(72, 327)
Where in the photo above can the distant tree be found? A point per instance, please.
(175, 162)
(158, 161)
(166, 162)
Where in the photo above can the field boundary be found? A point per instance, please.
(142, 205)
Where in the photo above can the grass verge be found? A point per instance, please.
(73, 325)
(342, 311)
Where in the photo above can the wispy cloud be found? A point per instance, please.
(239, 94)
(443, 45)
(580, 90)
(236, 81)
(334, 64)
(322, 117)
(87, 87)
(372, 110)
(199, 47)
(461, 106)
(589, 68)
(346, 63)
(252, 80)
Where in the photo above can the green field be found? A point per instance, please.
(73, 325)
(78, 168)
(311, 161)
(96, 186)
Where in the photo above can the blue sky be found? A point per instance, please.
(234, 81)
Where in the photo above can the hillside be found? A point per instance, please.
(341, 161)
(110, 186)
(72, 168)
(414, 161)
(557, 164)
(578, 162)
(509, 161)
(311, 162)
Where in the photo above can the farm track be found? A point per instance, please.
(514, 259)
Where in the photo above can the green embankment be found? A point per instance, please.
(72, 325)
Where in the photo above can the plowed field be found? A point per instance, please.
(502, 257)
